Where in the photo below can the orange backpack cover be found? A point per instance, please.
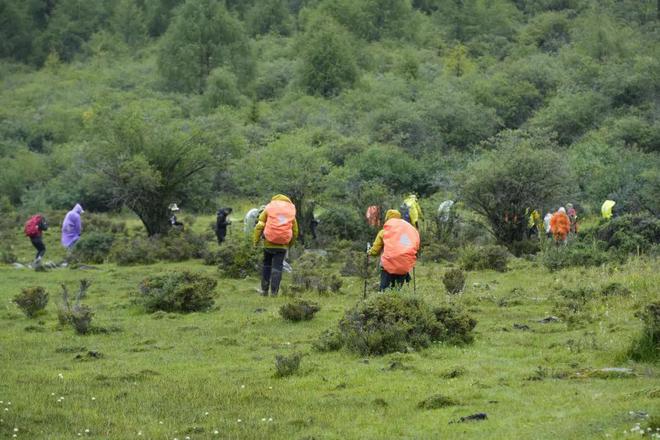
(560, 224)
(401, 242)
(279, 223)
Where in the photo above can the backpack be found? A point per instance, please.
(34, 226)
(405, 212)
(401, 242)
(279, 224)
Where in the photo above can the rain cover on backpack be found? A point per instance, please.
(279, 223)
(401, 242)
(32, 226)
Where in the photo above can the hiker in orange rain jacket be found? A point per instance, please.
(560, 225)
(279, 228)
(399, 243)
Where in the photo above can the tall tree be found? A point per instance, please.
(203, 36)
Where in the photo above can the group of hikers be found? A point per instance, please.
(397, 242)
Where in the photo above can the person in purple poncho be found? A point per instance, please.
(72, 227)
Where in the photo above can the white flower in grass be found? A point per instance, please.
(206, 413)
(60, 375)
(15, 429)
(160, 423)
(242, 386)
(216, 432)
(86, 431)
(270, 419)
(93, 398)
(239, 420)
(139, 432)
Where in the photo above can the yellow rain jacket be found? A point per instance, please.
(606, 209)
(261, 224)
(378, 242)
(415, 209)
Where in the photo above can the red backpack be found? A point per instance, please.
(32, 226)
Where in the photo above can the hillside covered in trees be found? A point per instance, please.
(140, 103)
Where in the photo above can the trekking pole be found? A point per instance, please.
(414, 282)
(366, 271)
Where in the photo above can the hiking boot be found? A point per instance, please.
(261, 291)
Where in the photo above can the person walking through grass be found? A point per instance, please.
(560, 225)
(278, 227)
(34, 228)
(72, 227)
(411, 211)
(399, 243)
(221, 223)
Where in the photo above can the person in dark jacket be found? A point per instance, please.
(221, 223)
(34, 230)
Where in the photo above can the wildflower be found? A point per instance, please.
(86, 431)
(160, 423)
(139, 432)
(93, 398)
(270, 419)
(52, 394)
(263, 420)
(15, 429)
(206, 413)
(242, 386)
(216, 432)
(60, 375)
(239, 420)
(6, 409)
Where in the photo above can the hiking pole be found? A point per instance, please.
(414, 282)
(366, 271)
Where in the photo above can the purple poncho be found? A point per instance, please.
(71, 226)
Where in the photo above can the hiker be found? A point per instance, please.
(547, 226)
(174, 222)
(534, 223)
(72, 227)
(399, 243)
(572, 216)
(34, 228)
(373, 216)
(560, 225)
(221, 223)
(444, 210)
(250, 219)
(279, 228)
(411, 211)
(313, 224)
(607, 210)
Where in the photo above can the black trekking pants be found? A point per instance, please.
(272, 271)
(221, 233)
(388, 280)
(39, 245)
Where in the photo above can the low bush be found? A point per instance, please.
(631, 233)
(574, 254)
(484, 257)
(530, 246)
(454, 281)
(392, 322)
(7, 256)
(342, 222)
(79, 315)
(32, 300)
(287, 365)
(177, 292)
(615, 289)
(133, 251)
(309, 274)
(236, 259)
(102, 224)
(93, 248)
(330, 340)
(299, 310)
(355, 264)
(436, 401)
(646, 347)
(574, 306)
(437, 252)
(175, 246)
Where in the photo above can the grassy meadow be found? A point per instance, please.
(212, 375)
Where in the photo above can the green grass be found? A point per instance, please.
(190, 375)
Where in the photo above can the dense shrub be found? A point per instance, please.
(236, 259)
(391, 322)
(309, 274)
(177, 292)
(484, 257)
(454, 281)
(287, 365)
(631, 233)
(100, 223)
(299, 310)
(342, 222)
(133, 251)
(7, 256)
(437, 252)
(93, 247)
(574, 305)
(574, 254)
(175, 246)
(647, 346)
(330, 340)
(32, 300)
(436, 401)
(615, 289)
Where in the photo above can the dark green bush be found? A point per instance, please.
(615, 289)
(7, 256)
(574, 254)
(299, 310)
(287, 365)
(32, 300)
(391, 322)
(93, 247)
(133, 251)
(437, 252)
(436, 401)
(79, 315)
(631, 233)
(236, 259)
(574, 306)
(342, 222)
(484, 257)
(454, 281)
(330, 340)
(177, 292)
(646, 347)
(102, 224)
(525, 247)
(309, 274)
(175, 246)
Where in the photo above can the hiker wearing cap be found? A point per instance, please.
(34, 228)
(411, 211)
(72, 227)
(221, 223)
(174, 222)
(278, 226)
(560, 225)
(399, 242)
